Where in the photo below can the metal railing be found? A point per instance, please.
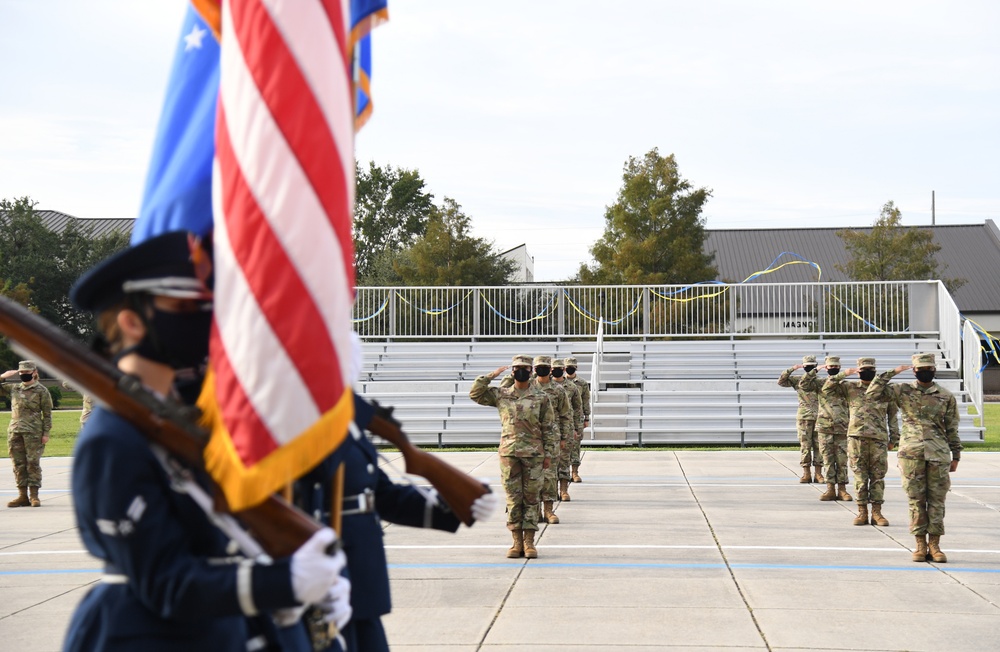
(972, 366)
(714, 310)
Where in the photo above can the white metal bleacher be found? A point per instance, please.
(653, 392)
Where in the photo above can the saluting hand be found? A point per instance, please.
(903, 367)
(499, 370)
(851, 371)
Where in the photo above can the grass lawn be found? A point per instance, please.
(66, 423)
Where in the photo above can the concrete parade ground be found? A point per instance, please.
(658, 550)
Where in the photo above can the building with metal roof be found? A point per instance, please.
(96, 227)
(968, 251)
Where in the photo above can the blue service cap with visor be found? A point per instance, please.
(173, 264)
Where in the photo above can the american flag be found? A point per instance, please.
(277, 396)
(278, 393)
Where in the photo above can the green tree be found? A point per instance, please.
(21, 294)
(448, 255)
(41, 265)
(890, 251)
(654, 233)
(391, 209)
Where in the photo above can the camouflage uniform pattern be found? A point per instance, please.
(528, 430)
(928, 443)
(564, 420)
(805, 417)
(831, 426)
(576, 403)
(87, 400)
(585, 400)
(30, 420)
(874, 424)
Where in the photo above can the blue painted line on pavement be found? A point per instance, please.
(815, 567)
(52, 571)
(534, 564)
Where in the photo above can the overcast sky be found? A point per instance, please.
(794, 113)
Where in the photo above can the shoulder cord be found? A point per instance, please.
(182, 481)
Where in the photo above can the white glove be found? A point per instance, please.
(484, 506)
(313, 570)
(336, 604)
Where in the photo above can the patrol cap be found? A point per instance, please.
(27, 365)
(570, 362)
(924, 360)
(808, 359)
(172, 264)
(521, 361)
(832, 361)
(543, 360)
(866, 362)
(557, 363)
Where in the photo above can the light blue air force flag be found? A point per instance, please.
(178, 193)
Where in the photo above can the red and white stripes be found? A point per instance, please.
(283, 191)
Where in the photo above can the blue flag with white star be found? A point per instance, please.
(178, 193)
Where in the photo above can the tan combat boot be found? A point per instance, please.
(819, 475)
(576, 473)
(550, 516)
(806, 475)
(862, 517)
(934, 548)
(517, 549)
(842, 492)
(34, 497)
(564, 490)
(877, 518)
(920, 554)
(829, 494)
(21, 500)
(529, 545)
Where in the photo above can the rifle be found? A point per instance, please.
(459, 490)
(278, 526)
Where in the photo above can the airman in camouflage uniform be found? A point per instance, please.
(805, 418)
(831, 424)
(574, 457)
(87, 402)
(564, 420)
(868, 439)
(929, 449)
(28, 432)
(576, 403)
(528, 432)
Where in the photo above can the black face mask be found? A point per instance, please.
(833, 371)
(809, 367)
(542, 371)
(866, 374)
(176, 339)
(570, 370)
(924, 375)
(26, 378)
(522, 375)
(558, 372)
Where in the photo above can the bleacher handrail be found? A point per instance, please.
(705, 311)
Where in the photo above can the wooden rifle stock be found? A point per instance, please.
(279, 527)
(459, 490)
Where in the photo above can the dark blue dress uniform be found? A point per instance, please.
(169, 584)
(369, 498)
